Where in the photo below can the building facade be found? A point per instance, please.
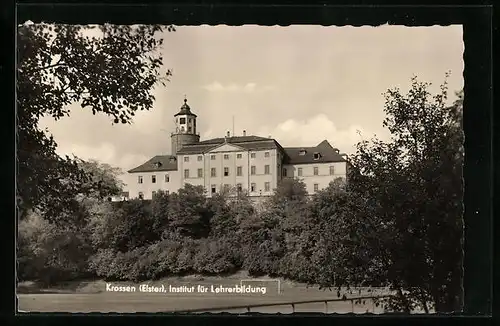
(233, 163)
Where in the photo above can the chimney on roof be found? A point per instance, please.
(244, 132)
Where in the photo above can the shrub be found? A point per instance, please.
(215, 257)
(50, 253)
(123, 226)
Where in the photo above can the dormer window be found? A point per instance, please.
(157, 164)
(172, 160)
(302, 152)
(317, 156)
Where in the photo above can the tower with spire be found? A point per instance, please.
(185, 128)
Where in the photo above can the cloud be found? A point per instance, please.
(104, 153)
(207, 134)
(233, 87)
(294, 133)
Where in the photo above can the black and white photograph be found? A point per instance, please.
(239, 169)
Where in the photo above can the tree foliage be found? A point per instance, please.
(107, 69)
(402, 225)
(188, 214)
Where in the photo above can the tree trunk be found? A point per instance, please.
(404, 301)
(424, 304)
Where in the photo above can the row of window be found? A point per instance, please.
(140, 179)
(213, 173)
(182, 121)
(239, 188)
(239, 172)
(226, 156)
(315, 171)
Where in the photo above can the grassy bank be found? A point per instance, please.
(91, 296)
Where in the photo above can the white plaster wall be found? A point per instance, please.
(322, 179)
(147, 187)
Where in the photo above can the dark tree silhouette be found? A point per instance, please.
(111, 72)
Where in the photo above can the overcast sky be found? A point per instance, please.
(299, 84)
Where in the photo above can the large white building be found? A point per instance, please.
(241, 163)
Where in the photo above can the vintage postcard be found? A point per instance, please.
(239, 168)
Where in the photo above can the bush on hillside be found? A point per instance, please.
(123, 227)
(216, 257)
(50, 253)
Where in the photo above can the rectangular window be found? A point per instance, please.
(182, 121)
(284, 172)
(186, 173)
(186, 158)
(267, 169)
(253, 187)
(266, 154)
(153, 194)
(316, 187)
(226, 172)
(190, 120)
(139, 179)
(239, 171)
(226, 156)
(167, 178)
(212, 157)
(252, 170)
(167, 192)
(200, 173)
(299, 172)
(267, 186)
(239, 187)
(315, 169)
(141, 195)
(332, 170)
(214, 189)
(213, 172)
(239, 156)
(252, 155)
(200, 158)
(153, 179)
(189, 129)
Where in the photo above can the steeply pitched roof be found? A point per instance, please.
(158, 163)
(246, 142)
(328, 154)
